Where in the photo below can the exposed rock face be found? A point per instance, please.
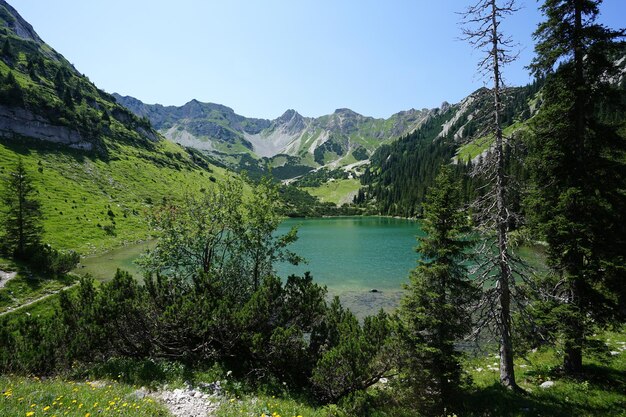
(16, 122)
(17, 24)
(21, 28)
(210, 126)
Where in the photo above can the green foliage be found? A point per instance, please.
(223, 234)
(400, 173)
(29, 283)
(321, 176)
(599, 393)
(47, 259)
(360, 153)
(435, 310)
(581, 157)
(354, 357)
(298, 202)
(234, 312)
(22, 229)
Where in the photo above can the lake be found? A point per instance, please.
(350, 255)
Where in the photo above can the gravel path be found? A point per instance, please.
(6, 276)
(189, 402)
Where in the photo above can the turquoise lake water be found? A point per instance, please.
(350, 255)
(354, 253)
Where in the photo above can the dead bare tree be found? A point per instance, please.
(481, 28)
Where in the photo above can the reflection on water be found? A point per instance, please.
(349, 255)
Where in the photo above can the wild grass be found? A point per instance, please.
(337, 191)
(56, 397)
(599, 391)
(269, 406)
(92, 205)
(477, 146)
(28, 285)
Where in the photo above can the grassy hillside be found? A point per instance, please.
(335, 191)
(91, 205)
(96, 166)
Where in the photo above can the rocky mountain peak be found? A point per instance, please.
(347, 113)
(16, 24)
(291, 122)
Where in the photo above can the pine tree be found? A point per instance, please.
(482, 30)
(7, 50)
(576, 200)
(435, 309)
(22, 220)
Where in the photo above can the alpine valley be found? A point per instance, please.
(516, 196)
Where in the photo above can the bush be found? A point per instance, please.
(47, 259)
(353, 357)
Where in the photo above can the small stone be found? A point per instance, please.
(614, 353)
(141, 393)
(547, 384)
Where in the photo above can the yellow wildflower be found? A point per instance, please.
(46, 408)
(30, 413)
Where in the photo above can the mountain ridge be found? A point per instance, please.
(337, 139)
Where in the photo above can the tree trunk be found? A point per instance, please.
(572, 360)
(575, 336)
(507, 372)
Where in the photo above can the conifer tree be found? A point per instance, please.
(22, 216)
(7, 50)
(576, 200)
(435, 310)
(482, 29)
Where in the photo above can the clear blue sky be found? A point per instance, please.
(376, 57)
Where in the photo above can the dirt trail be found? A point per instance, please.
(33, 301)
(5, 277)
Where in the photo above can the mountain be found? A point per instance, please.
(400, 173)
(96, 166)
(302, 143)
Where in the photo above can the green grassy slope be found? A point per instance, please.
(91, 205)
(337, 191)
(92, 199)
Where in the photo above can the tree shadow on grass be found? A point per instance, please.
(496, 400)
(29, 283)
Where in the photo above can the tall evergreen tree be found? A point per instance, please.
(577, 199)
(482, 30)
(435, 310)
(22, 216)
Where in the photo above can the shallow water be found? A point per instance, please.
(350, 255)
